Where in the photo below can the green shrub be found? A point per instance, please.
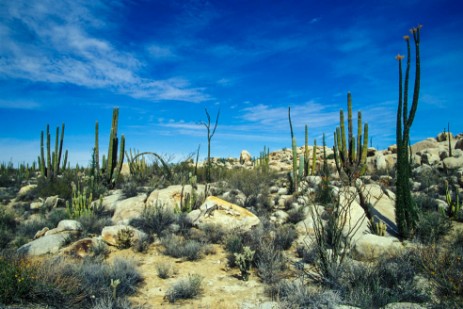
(18, 276)
(296, 294)
(389, 280)
(7, 227)
(214, 233)
(93, 224)
(432, 226)
(284, 237)
(296, 215)
(234, 243)
(178, 247)
(444, 267)
(155, 219)
(124, 238)
(185, 289)
(270, 261)
(164, 270)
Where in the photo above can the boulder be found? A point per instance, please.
(36, 205)
(83, 247)
(41, 232)
(380, 162)
(110, 201)
(370, 247)
(48, 244)
(109, 234)
(443, 136)
(453, 163)
(426, 144)
(392, 148)
(26, 189)
(403, 305)
(70, 226)
(129, 209)
(279, 217)
(217, 211)
(245, 157)
(52, 202)
(382, 203)
(459, 144)
(171, 196)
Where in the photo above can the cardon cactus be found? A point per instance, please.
(52, 166)
(350, 156)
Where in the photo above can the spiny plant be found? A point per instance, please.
(111, 165)
(294, 176)
(350, 157)
(406, 212)
(52, 166)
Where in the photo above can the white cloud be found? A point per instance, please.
(16, 104)
(63, 42)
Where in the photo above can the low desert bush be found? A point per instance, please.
(270, 262)
(18, 276)
(93, 224)
(432, 226)
(164, 270)
(444, 267)
(296, 294)
(389, 280)
(7, 227)
(185, 288)
(155, 219)
(178, 247)
(296, 215)
(284, 236)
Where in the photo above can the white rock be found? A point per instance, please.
(48, 244)
(109, 234)
(370, 247)
(129, 209)
(217, 211)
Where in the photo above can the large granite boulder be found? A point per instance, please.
(110, 234)
(217, 211)
(128, 209)
(370, 247)
(48, 244)
(172, 196)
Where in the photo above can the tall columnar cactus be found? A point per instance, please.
(294, 150)
(96, 151)
(405, 211)
(350, 156)
(449, 139)
(52, 166)
(113, 164)
(306, 152)
(314, 157)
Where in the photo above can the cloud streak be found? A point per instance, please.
(65, 43)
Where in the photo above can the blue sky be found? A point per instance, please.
(163, 62)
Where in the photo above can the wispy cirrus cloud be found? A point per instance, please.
(67, 42)
(19, 104)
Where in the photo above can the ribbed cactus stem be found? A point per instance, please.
(350, 159)
(112, 148)
(301, 166)
(306, 151)
(314, 156)
(97, 150)
(49, 167)
(350, 129)
(294, 151)
(42, 156)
